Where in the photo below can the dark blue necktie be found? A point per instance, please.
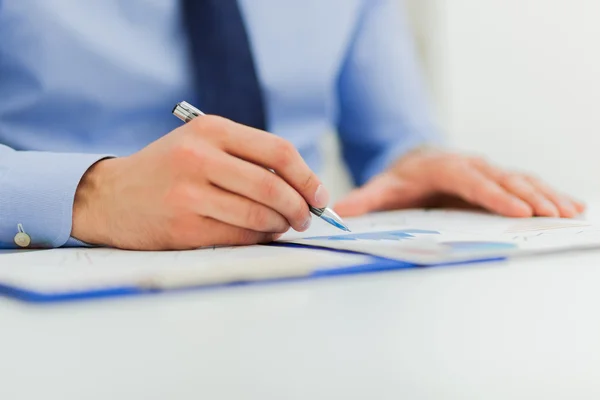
(224, 72)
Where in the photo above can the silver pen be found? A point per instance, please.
(187, 112)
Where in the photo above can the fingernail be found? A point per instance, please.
(306, 224)
(321, 197)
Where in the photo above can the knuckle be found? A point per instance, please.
(455, 163)
(221, 129)
(480, 189)
(532, 178)
(269, 186)
(185, 154)
(511, 180)
(478, 161)
(299, 212)
(246, 236)
(284, 152)
(180, 195)
(308, 183)
(283, 226)
(257, 217)
(182, 151)
(199, 126)
(453, 172)
(451, 159)
(212, 126)
(209, 123)
(216, 120)
(464, 164)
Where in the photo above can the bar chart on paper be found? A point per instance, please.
(396, 235)
(429, 237)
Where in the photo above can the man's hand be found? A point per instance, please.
(206, 183)
(432, 178)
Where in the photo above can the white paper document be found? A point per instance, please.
(427, 237)
(69, 270)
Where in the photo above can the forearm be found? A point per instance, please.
(384, 110)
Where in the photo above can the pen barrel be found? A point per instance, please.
(317, 211)
(186, 112)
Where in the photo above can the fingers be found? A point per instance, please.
(217, 233)
(478, 189)
(227, 235)
(261, 186)
(543, 200)
(522, 188)
(581, 207)
(275, 153)
(567, 208)
(196, 231)
(240, 211)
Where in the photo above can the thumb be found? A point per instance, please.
(363, 200)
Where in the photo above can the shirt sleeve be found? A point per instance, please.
(383, 107)
(37, 190)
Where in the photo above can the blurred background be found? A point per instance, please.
(516, 81)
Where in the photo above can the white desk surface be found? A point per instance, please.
(527, 329)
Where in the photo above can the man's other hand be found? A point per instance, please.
(431, 178)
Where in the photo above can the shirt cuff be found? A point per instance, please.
(38, 190)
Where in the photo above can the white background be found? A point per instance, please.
(516, 80)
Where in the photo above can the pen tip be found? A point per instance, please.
(334, 219)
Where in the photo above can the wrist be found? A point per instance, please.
(90, 204)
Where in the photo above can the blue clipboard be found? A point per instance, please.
(375, 264)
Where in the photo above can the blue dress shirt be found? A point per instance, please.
(81, 80)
